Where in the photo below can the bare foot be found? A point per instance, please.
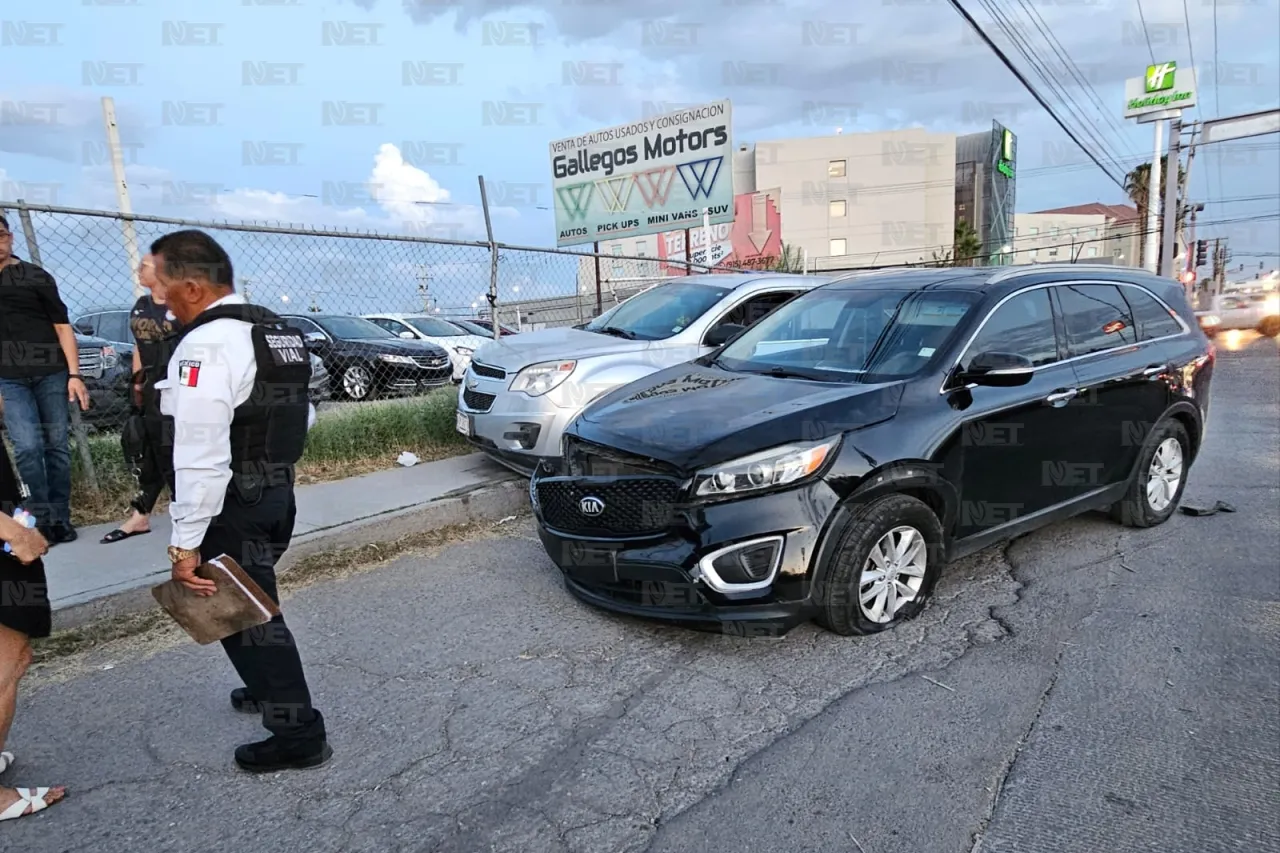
(9, 796)
(137, 523)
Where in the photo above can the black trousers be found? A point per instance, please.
(256, 532)
(153, 462)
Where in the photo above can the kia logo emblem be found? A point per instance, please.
(591, 506)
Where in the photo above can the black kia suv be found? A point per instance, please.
(828, 461)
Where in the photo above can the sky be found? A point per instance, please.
(380, 115)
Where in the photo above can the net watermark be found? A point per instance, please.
(190, 194)
(350, 114)
(102, 73)
(669, 34)
(30, 34)
(423, 153)
(350, 34)
(829, 33)
(1154, 33)
(829, 113)
(431, 73)
(264, 73)
(509, 114)
(906, 72)
(752, 74)
(509, 194)
(915, 235)
(33, 192)
(591, 73)
(262, 153)
(30, 113)
(190, 114)
(906, 153)
(190, 34)
(511, 34)
(95, 152)
(985, 112)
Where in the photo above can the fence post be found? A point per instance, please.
(688, 254)
(77, 423)
(493, 262)
(595, 247)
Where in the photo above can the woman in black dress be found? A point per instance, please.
(24, 613)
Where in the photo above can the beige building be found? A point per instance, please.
(1087, 233)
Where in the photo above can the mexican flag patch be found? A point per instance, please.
(188, 373)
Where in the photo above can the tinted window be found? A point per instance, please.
(434, 327)
(1097, 317)
(303, 325)
(114, 326)
(757, 308)
(1153, 319)
(1022, 326)
(878, 335)
(660, 312)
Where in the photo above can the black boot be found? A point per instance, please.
(242, 700)
(274, 754)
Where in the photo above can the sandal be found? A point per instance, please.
(118, 535)
(6, 761)
(28, 798)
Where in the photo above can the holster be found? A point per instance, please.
(251, 479)
(133, 438)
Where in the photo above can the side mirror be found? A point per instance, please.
(314, 338)
(408, 336)
(722, 334)
(83, 327)
(998, 370)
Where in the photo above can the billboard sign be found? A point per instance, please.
(645, 177)
(752, 241)
(1164, 87)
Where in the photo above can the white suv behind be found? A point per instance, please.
(455, 340)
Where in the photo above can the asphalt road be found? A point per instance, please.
(1087, 688)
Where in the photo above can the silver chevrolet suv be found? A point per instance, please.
(520, 392)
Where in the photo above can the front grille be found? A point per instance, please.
(91, 363)
(632, 506)
(430, 362)
(593, 460)
(669, 596)
(487, 371)
(476, 401)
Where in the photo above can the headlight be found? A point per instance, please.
(109, 358)
(537, 379)
(1209, 320)
(398, 359)
(464, 351)
(1272, 305)
(778, 466)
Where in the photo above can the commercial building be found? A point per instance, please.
(874, 199)
(1089, 233)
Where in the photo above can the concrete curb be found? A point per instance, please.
(480, 504)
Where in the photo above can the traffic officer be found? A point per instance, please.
(236, 390)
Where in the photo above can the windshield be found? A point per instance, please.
(352, 328)
(661, 312)
(854, 335)
(435, 328)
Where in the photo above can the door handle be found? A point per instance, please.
(1061, 396)
(1155, 369)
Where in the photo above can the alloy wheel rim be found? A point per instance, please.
(892, 574)
(1165, 474)
(355, 382)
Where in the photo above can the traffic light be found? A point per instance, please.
(1202, 252)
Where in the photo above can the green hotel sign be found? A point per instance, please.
(1164, 86)
(1004, 164)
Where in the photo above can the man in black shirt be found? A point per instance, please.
(155, 330)
(37, 351)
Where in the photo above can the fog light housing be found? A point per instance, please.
(745, 567)
(525, 434)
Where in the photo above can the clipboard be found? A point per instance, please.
(238, 604)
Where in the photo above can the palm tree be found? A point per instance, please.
(789, 260)
(1135, 187)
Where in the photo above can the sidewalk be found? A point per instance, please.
(86, 577)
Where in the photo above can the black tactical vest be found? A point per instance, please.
(268, 430)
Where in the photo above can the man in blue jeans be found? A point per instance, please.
(37, 349)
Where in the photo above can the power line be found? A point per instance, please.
(1032, 89)
(1145, 32)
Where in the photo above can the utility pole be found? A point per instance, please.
(128, 231)
(1168, 242)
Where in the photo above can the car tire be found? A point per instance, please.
(1146, 504)
(1270, 327)
(358, 383)
(851, 573)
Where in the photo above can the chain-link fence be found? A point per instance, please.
(386, 315)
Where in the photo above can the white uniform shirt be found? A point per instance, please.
(210, 373)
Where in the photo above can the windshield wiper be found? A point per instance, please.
(616, 332)
(785, 373)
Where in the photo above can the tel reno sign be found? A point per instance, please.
(645, 177)
(1164, 87)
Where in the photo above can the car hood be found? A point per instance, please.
(514, 352)
(395, 345)
(471, 342)
(692, 416)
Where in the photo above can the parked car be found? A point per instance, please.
(320, 388)
(1243, 311)
(110, 324)
(107, 373)
(482, 327)
(456, 341)
(827, 462)
(367, 360)
(521, 392)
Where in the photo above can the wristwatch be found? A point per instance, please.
(177, 555)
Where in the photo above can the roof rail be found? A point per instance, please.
(1033, 269)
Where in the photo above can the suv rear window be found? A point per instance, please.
(1097, 318)
(1153, 319)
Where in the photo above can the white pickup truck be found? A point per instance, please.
(1243, 310)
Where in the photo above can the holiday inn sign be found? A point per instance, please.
(1165, 86)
